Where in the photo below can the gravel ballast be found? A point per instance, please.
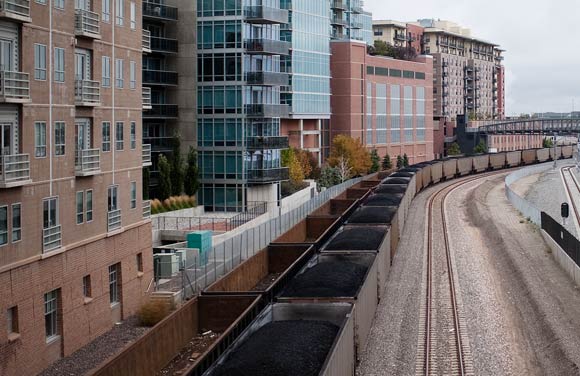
(282, 348)
(357, 239)
(374, 215)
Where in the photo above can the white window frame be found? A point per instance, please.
(16, 227)
(106, 71)
(106, 136)
(80, 207)
(133, 137)
(119, 12)
(119, 136)
(4, 228)
(40, 62)
(106, 11)
(89, 205)
(59, 64)
(59, 139)
(132, 15)
(114, 284)
(50, 201)
(113, 198)
(133, 195)
(132, 75)
(42, 2)
(59, 4)
(40, 139)
(119, 81)
(51, 310)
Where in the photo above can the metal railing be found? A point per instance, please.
(162, 110)
(146, 209)
(17, 7)
(339, 4)
(265, 14)
(268, 175)
(87, 92)
(159, 77)
(86, 23)
(267, 110)
(267, 46)
(113, 220)
(156, 10)
(14, 168)
(146, 155)
(338, 21)
(267, 78)
(161, 44)
(274, 142)
(51, 238)
(146, 96)
(88, 161)
(14, 85)
(146, 41)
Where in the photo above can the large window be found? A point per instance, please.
(408, 112)
(120, 12)
(50, 212)
(133, 15)
(59, 64)
(132, 75)
(89, 205)
(395, 114)
(133, 135)
(40, 139)
(80, 207)
(106, 10)
(106, 135)
(133, 195)
(51, 314)
(59, 138)
(106, 71)
(119, 137)
(113, 198)
(39, 62)
(119, 82)
(421, 118)
(114, 271)
(3, 225)
(16, 222)
(381, 111)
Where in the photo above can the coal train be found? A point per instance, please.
(318, 285)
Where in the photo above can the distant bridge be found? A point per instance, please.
(531, 126)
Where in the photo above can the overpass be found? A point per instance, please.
(531, 126)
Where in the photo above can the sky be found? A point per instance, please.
(542, 39)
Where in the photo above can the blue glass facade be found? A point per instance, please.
(350, 21)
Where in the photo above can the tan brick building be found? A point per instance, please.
(75, 238)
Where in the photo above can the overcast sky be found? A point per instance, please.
(542, 39)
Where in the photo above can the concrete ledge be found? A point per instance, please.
(566, 263)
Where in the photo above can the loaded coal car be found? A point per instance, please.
(543, 155)
(529, 156)
(449, 169)
(426, 173)
(396, 189)
(436, 171)
(464, 166)
(306, 339)
(497, 161)
(567, 151)
(391, 199)
(513, 158)
(339, 278)
(408, 174)
(418, 177)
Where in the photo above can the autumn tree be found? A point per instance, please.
(351, 152)
(375, 161)
(387, 163)
(290, 160)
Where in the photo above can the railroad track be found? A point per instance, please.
(443, 344)
(567, 170)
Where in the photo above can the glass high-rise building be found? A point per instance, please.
(239, 108)
(350, 21)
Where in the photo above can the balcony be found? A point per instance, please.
(161, 111)
(14, 87)
(146, 97)
(339, 5)
(267, 143)
(159, 77)
(338, 34)
(51, 238)
(268, 176)
(401, 37)
(87, 24)
(87, 93)
(356, 25)
(267, 110)
(267, 78)
(14, 170)
(88, 162)
(267, 47)
(15, 10)
(146, 41)
(146, 155)
(357, 9)
(261, 14)
(113, 220)
(159, 144)
(159, 11)
(164, 45)
(338, 21)
(146, 209)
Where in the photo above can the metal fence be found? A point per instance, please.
(200, 270)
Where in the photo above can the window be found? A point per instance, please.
(106, 133)
(113, 203)
(16, 222)
(140, 262)
(89, 205)
(119, 144)
(43, 2)
(133, 195)
(50, 212)
(120, 12)
(12, 316)
(59, 63)
(39, 62)
(132, 75)
(59, 4)
(3, 225)
(133, 135)
(114, 284)
(80, 207)
(106, 69)
(119, 73)
(59, 138)
(107, 11)
(40, 139)
(133, 16)
(51, 314)
(87, 286)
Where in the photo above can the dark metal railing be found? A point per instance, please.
(155, 10)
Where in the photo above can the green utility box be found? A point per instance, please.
(202, 241)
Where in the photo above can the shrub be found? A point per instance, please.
(153, 312)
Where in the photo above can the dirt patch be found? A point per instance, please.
(524, 185)
(266, 282)
(189, 353)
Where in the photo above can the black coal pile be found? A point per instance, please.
(332, 279)
(390, 180)
(357, 239)
(393, 199)
(410, 169)
(401, 174)
(282, 348)
(373, 214)
(388, 188)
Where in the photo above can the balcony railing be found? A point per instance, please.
(267, 110)
(51, 238)
(338, 21)
(146, 96)
(162, 111)
(88, 162)
(146, 155)
(113, 220)
(87, 93)
(267, 78)
(356, 25)
(159, 77)
(17, 10)
(401, 36)
(266, 143)
(268, 176)
(339, 4)
(267, 47)
(336, 34)
(159, 144)
(14, 87)
(87, 24)
(165, 45)
(146, 41)
(14, 170)
(261, 14)
(159, 11)
(357, 9)
(146, 209)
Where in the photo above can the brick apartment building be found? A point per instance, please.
(384, 102)
(75, 235)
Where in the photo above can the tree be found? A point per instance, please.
(191, 183)
(400, 163)
(454, 149)
(176, 167)
(164, 178)
(146, 178)
(480, 148)
(382, 48)
(290, 160)
(344, 169)
(305, 159)
(547, 143)
(387, 163)
(329, 176)
(352, 152)
(405, 160)
(375, 161)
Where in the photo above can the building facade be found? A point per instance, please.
(238, 102)
(350, 21)
(386, 103)
(75, 234)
